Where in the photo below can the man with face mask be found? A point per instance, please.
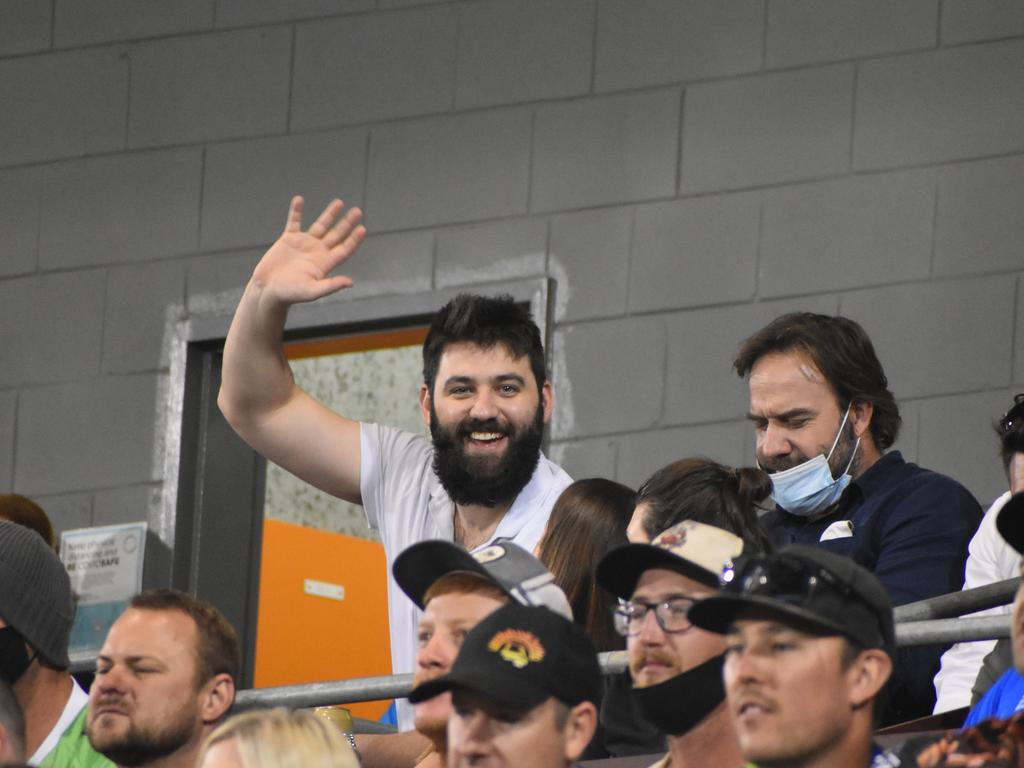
(36, 611)
(824, 418)
(676, 667)
(485, 397)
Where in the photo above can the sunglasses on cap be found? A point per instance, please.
(778, 577)
(1014, 417)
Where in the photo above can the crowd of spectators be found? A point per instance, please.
(754, 604)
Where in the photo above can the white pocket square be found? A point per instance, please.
(840, 529)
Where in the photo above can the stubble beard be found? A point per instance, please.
(484, 480)
(138, 745)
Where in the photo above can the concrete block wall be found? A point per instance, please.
(684, 170)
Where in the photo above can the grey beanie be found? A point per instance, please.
(35, 593)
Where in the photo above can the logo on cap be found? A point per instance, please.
(489, 554)
(516, 646)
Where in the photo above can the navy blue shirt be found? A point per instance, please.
(910, 527)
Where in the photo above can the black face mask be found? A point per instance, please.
(14, 658)
(681, 702)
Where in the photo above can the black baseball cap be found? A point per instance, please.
(1010, 521)
(508, 566)
(696, 550)
(810, 588)
(520, 656)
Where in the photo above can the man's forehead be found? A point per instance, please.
(460, 606)
(143, 632)
(664, 582)
(780, 379)
(465, 358)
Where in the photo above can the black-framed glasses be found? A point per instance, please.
(670, 614)
(1014, 417)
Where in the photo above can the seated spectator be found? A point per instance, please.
(704, 491)
(277, 738)
(36, 611)
(588, 519)
(524, 689)
(809, 640)
(26, 512)
(165, 677)
(455, 590)
(676, 668)
(989, 559)
(824, 417)
(12, 727)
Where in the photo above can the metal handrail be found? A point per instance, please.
(958, 603)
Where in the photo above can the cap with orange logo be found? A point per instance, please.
(520, 656)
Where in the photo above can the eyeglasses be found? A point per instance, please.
(670, 615)
(1014, 417)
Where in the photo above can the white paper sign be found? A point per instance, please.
(105, 566)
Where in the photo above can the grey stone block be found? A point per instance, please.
(226, 85)
(449, 169)
(608, 377)
(214, 283)
(979, 227)
(373, 67)
(854, 232)
(62, 105)
(613, 149)
(642, 454)
(523, 50)
(96, 433)
(67, 512)
(766, 129)
(123, 208)
(140, 302)
(803, 31)
(957, 439)
(700, 382)
(908, 438)
(594, 457)
(248, 185)
(26, 28)
(589, 259)
(964, 21)
(101, 21)
(401, 262)
(500, 250)
(668, 41)
(130, 504)
(20, 193)
(941, 105)
(233, 13)
(1018, 355)
(50, 327)
(694, 252)
(939, 338)
(8, 415)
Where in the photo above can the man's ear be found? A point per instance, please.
(579, 729)
(218, 696)
(860, 417)
(425, 404)
(547, 400)
(867, 675)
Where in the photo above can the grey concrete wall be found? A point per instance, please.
(685, 170)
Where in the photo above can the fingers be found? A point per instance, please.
(343, 229)
(322, 225)
(348, 246)
(294, 222)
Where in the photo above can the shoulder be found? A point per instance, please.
(897, 484)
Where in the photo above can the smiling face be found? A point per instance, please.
(145, 701)
(789, 694)
(656, 655)
(486, 416)
(446, 620)
(796, 415)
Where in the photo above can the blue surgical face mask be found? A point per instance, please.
(809, 488)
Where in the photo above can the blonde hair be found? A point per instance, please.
(278, 738)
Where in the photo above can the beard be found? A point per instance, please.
(431, 716)
(485, 480)
(139, 745)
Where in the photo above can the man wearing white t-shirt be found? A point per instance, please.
(485, 396)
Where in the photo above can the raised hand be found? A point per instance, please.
(297, 266)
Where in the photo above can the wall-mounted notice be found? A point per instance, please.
(105, 566)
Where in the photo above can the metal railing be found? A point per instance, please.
(922, 623)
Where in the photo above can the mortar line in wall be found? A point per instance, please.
(593, 46)
(853, 118)
(127, 99)
(757, 247)
(14, 437)
(455, 57)
(679, 143)
(529, 161)
(764, 36)
(629, 260)
(199, 212)
(291, 80)
(368, 148)
(1014, 353)
(935, 228)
